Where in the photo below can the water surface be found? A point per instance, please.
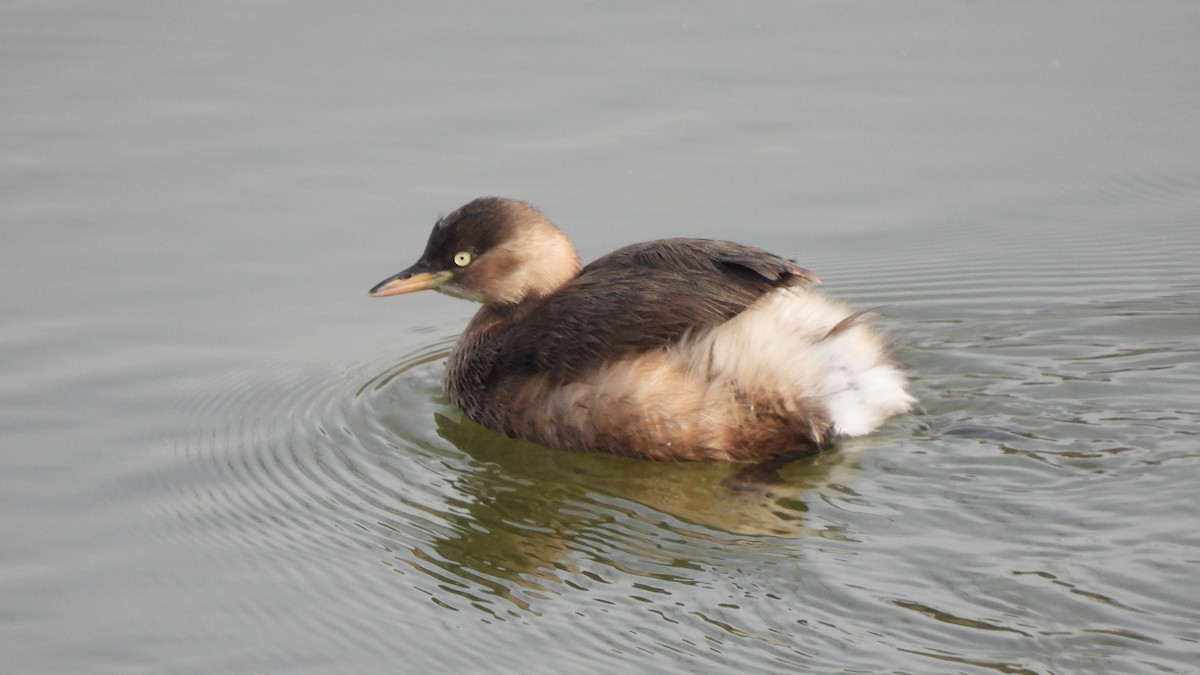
(219, 455)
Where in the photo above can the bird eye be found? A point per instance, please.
(462, 258)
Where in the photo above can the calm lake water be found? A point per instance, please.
(218, 455)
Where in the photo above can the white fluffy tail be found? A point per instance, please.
(812, 349)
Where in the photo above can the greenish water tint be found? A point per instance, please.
(218, 455)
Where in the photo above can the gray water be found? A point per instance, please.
(218, 455)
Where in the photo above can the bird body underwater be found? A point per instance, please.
(676, 349)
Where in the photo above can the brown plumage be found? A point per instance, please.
(677, 349)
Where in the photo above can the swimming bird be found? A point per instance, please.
(675, 349)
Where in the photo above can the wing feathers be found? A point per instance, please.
(639, 298)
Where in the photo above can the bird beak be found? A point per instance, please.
(419, 277)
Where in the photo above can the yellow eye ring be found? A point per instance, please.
(462, 258)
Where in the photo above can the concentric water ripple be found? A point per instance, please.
(1053, 385)
(372, 463)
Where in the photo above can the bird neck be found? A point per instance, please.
(535, 264)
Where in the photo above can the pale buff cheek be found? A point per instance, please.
(550, 262)
(537, 261)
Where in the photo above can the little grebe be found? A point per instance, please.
(677, 349)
